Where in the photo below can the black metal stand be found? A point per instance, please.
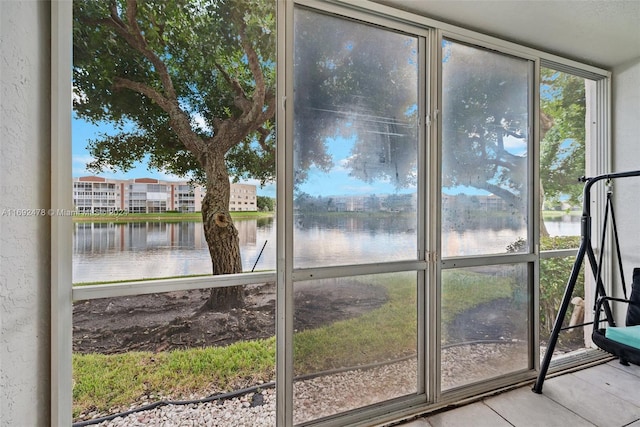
(586, 249)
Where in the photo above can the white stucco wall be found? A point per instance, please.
(626, 156)
(24, 240)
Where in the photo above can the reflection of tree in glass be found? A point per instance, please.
(355, 81)
(485, 123)
(486, 104)
(191, 85)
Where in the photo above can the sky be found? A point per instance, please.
(319, 183)
(83, 131)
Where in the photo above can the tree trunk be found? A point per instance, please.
(221, 235)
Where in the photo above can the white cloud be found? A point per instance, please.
(79, 164)
(166, 176)
(359, 189)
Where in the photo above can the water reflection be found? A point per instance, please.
(342, 239)
(136, 250)
(128, 251)
(565, 225)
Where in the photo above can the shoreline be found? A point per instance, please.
(162, 217)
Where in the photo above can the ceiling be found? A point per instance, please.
(603, 33)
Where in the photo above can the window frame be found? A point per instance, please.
(597, 161)
(420, 264)
(61, 226)
(63, 294)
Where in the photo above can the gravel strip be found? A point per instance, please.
(331, 394)
(233, 412)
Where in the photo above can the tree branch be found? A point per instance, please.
(504, 194)
(180, 121)
(258, 97)
(270, 102)
(133, 36)
(264, 133)
(157, 97)
(235, 85)
(254, 114)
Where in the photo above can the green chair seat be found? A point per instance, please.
(629, 335)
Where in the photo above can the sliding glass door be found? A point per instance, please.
(485, 214)
(406, 316)
(356, 206)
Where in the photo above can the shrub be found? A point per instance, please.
(554, 274)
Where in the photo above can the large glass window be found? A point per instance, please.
(367, 341)
(173, 108)
(388, 296)
(565, 105)
(485, 318)
(485, 213)
(485, 145)
(356, 140)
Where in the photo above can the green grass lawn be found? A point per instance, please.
(115, 382)
(463, 290)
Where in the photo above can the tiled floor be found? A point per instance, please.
(606, 395)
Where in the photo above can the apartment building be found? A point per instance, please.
(98, 195)
(94, 195)
(243, 197)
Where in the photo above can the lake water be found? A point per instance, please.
(136, 250)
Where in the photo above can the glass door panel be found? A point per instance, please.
(355, 149)
(485, 318)
(355, 142)
(486, 195)
(485, 146)
(364, 351)
(565, 103)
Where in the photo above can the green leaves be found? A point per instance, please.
(562, 151)
(485, 117)
(162, 60)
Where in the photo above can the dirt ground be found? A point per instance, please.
(173, 320)
(496, 320)
(500, 320)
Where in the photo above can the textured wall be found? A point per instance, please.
(24, 240)
(626, 156)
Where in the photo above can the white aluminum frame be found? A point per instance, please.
(61, 226)
(427, 265)
(290, 275)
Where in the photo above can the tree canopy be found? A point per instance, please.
(355, 81)
(485, 122)
(563, 149)
(191, 84)
(486, 115)
(174, 77)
